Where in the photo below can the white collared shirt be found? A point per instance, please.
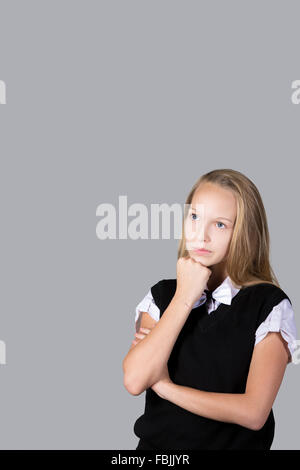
(281, 318)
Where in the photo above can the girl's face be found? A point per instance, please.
(210, 225)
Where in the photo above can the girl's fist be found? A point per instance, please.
(192, 277)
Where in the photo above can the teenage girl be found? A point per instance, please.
(211, 346)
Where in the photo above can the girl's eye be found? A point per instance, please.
(217, 222)
(221, 223)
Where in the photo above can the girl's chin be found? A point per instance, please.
(198, 257)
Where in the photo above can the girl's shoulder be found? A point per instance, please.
(164, 284)
(265, 289)
(163, 291)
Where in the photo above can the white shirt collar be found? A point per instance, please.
(224, 293)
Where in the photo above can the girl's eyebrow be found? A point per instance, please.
(225, 218)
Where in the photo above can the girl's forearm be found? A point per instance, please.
(227, 407)
(143, 364)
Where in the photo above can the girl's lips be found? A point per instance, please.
(203, 251)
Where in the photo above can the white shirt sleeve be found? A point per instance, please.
(282, 319)
(146, 305)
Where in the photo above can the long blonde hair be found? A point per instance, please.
(248, 260)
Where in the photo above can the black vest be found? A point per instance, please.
(212, 353)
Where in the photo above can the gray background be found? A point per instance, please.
(136, 98)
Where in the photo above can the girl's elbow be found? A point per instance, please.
(257, 421)
(254, 417)
(131, 387)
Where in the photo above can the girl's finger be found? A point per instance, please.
(138, 335)
(145, 330)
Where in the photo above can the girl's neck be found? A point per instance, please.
(217, 276)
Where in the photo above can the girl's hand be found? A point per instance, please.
(141, 334)
(192, 277)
